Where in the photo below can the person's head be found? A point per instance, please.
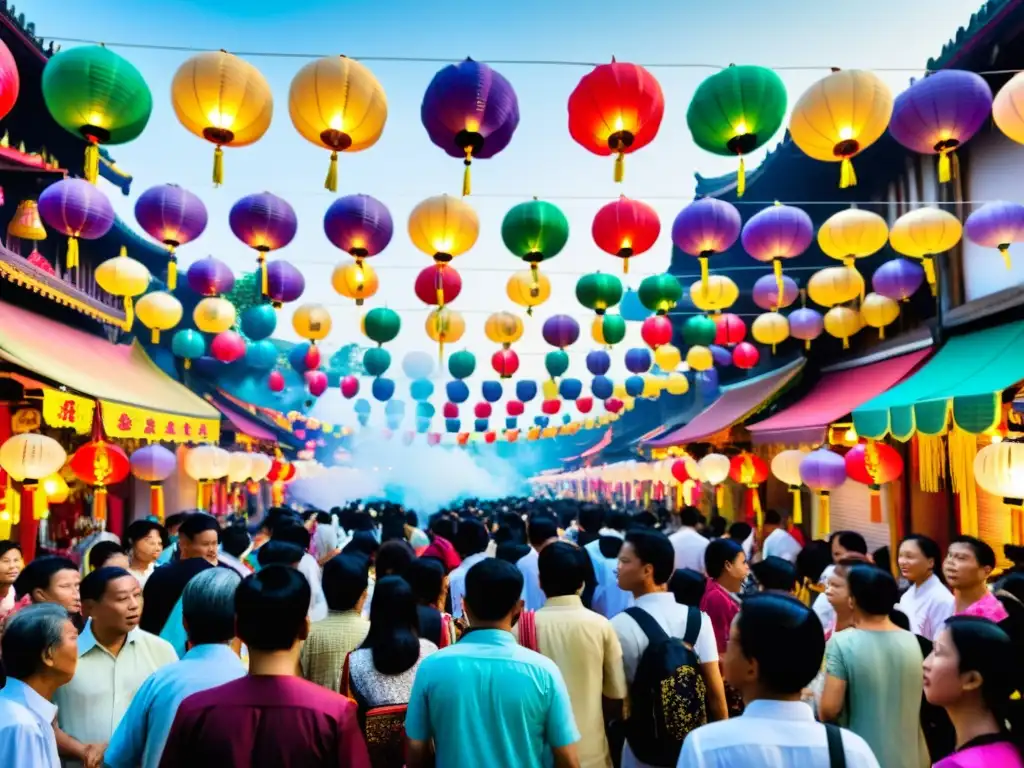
(198, 537)
(235, 540)
(276, 552)
(146, 539)
(362, 543)
(493, 589)
(740, 531)
(837, 589)
(846, 543)
(445, 526)
(11, 563)
(394, 626)
(775, 649)
(689, 516)
(591, 518)
(812, 560)
(471, 538)
(412, 519)
(394, 557)
(969, 563)
(772, 520)
(873, 592)
(271, 608)
(541, 530)
(345, 579)
(725, 562)
(172, 523)
(51, 580)
(112, 599)
(562, 569)
(688, 586)
(107, 554)
(775, 574)
(292, 533)
(40, 642)
(717, 526)
(208, 606)
(618, 520)
(918, 558)
(323, 518)
(511, 552)
(646, 561)
(426, 577)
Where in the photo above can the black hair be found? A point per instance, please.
(772, 517)
(394, 626)
(511, 552)
(493, 589)
(363, 543)
(175, 520)
(784, 637)
(235, 540)
(102, 551)
(899, 618)
(271, 608)
(882, 558)
(619, 520)
(413, 519)
(645, 520)
(740, 531)
(689, 516)
(39, 573)
(983, 553)
(293, 533)
(426, 577)
(541, 529)
(94, 586)
(345, 579)
(445, 526)
(140, 529)
(394, 557)
(875, 591)
(323, 518)
(591, 517)
(7, 545)
(471, 538)
(196, 523)
(775, 573)
(929, 548)
(653, 548)
(562, 569)
(851, 541)
(719, 553)
(276, 552)
(813, 559)
(688, 586)
(717, 526)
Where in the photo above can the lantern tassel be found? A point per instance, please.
(92, 162)
(625, 266)
(798, 513)
(200, 496)
(846, 342)
(847, 176)
(929, 272)
(72, 258)
(777, 266)
(99, 504)
(264, 284)
(467, 185)
(1004, 251)
(755, 504)
(945, 166)
(129, 313)
(876, 504)
(881, 332)
(331, 184)
(172, 271)
(741, 178)
(807, 344)
(218, 166)
(439, 286)
(719, 496)
(703, 272)
(620, 167)
(154, 336)
(824, 516)
(156, 501)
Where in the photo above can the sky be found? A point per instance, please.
(802, 38)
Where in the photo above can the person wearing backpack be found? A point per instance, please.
(669, 656)
(775, 649)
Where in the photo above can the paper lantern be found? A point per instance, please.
(470, 111)
(999, 470)
(349, 387)
(214, 315)
(700, 358)
(336, 103)
(551, 407)
(376, 361)
(504, 328)
(835, 285)
(10, 81)
(275, 381)
(560, 331)
(898, 279)
(528, 290)
(823, 472)
(239, 466)
(359, 225)
(651, 388)
(714, 469)
(997, 225)
(735, 111)
(584, 404)
(660, 293)
(598, 291)
(124, 277)
(261, 355)
(939, 112)
(613, 405)
(505, 362)
(153, 464)
(704, 228)
(873, 464)
(667, 358)
(443, 227)
(482, 410)
(656, 331)
(206, 464)
(264, 222)
(381, 325)
(26, 224)
(771, 328)
(158, 311)
(839, 117)
(28, 458)
(535, 231)
(625, 228)
(556, 363)
(842, 323)
(786, 468)
(806, 324)
(745, 356)
(1008, 109)
(210, 277)
(853, 234)
(188, 345)
(78, 209)
(879, 311)
(677, 384)
(285, 282)
(598, 362)
(438, 285)
(923, 234)
(719, 293)
(316, 382)
(638, 360)
(227, 347)
(776, 233)
(224, 100)
(767, 295)
(721, 356)
(730, 329)
(100, 464)
(461, 366)
(608, 329)
(617, 109)
(750, 471)
(96, 95)
(700, 330)
(355, 281)
(570, 389)
(172, 216)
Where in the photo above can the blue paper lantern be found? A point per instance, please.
(261, 355)
(566, 418)
(457, 391)
(452, 425)
(570, 389)
(491, 390)
(526, 390)
(362, 406)
(425, 411)
(383, 389)
(721, 356)
(632, 309)
(541, 421)
(421, 389)
(297, 357)
(422, 425)
(638, 360)
(634, 386)
(364, 419)
(511, 422)
(480, 425)
(707, 383)
(602, 387)
(598, 362)
(259, 322)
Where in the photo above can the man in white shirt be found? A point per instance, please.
(645, 567)
(471, 542)
(541, 531)
(296, 533)
(609, 598)
(778, 542)
(775, 650)
(689, 545)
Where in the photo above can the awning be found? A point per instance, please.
(246, 426)
(736, 403)
(965, 378)
(834, 397)
(138, 399)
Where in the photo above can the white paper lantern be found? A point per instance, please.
(260, 466)
(714, 468)
(786, 468)
(31, 456)
(207, 462)
(999, 470)
(239, 466)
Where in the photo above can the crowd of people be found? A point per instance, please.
(511, 633)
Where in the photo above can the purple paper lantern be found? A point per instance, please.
(806, 324)
(638, 360)
(936, 115)
(172, 216)
(152, 463)
(78, 209)
(560, 331)
(598, 362)
(360, 225)
(706, 227)
(285, 282)
(777, 233)
(997, 225)
(722, 357)
(470, 111)
(210, 277)
(823, 471)
(707, 383)
(264, 222)
(898, 279)
(766, 292)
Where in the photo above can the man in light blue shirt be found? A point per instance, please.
(488, 701)
(541, 531)
(208, 613)
(471, 541)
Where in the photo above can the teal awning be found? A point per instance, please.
(965, 379)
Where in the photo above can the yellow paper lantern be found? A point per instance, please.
(652, 387)
(839, 117)
(677, 384)
(667, 357)
(529, 290)
(312, 322)
(700, 358)
(158, 311)
(56, 488)
(444, 227)
(355, 280)
(125, 277)
(223, 99)
(1008, 108)
(205, 464)
(923, 234)
(719, 293)
(504, 328)
(337, 103)
(853, 234)
(879, 311)
(843, 322)
(549, 389)
(445, 326)
(770, 328)
(619, 391)
(214, 315)
(835, 285)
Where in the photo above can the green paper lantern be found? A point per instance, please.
(699, 331)
(612, 328)
(376, 361)
(660, 293)
(735, 111)
(381, 325)
(96, 95)
(535, 231)
(599, 291)
(556, 362)
(461, 365)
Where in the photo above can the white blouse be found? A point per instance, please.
(928, 606)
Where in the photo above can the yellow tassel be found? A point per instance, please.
(72, 257)
(963, 448)
(846, 342)
(881, 332)
(156, 501)
(99, 504)
(847, 176)
(218, 166)
(703, 272)
(331, 184)
(264, 285)
(719, 496)
(154, 336)
(439, 286)
(798, 514)
(929, 272)
(679, 496)
(824, 513)
(755, 502)
(777, 266)
(620, 167)
(956, 165)
(931, 463)
(741, 178)
(188, 363)
(807, 344)
(467, 186)
(129, 313)
(945, 169)
(1004, 251)
(200, 496)
(625, 266)
(92, 162)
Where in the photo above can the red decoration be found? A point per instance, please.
(873, 464)
(36, 259)
(731, 330)
(482, 410)
(438, 284)
(490, 437)
(750, 471)
(656, 331)
(100, 464)
(312, 358)
(450, 411)
(462, 438)
(275, 381)
(613, 405)
(584, 404)
(514, 408)
(349, 387)
(551, 407)
(626, 228)
(227, 347)
(746, 356)
(505, 362)
(316, 382)
(511, 435)
(10, 80)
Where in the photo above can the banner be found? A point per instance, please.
(67, 411)
(143, 424)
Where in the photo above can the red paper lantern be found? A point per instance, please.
(281, 471)
(730, 329)
(505, 362)
(490, 437)
(679, 471)
(275, 381)
(584, 404)
(316, 382)
(746, 356)
(10, 80)
(616, 108)
(514, 408)
(656, 331)
(450, 411)
(750, 471)
(312, 358)
(438, 284)
(227, 347)
(626, 228)
(462, 438)
(613, 405)
(551, 407)
(349, 387)
(873, 464)
(482, 410)
(100, 464)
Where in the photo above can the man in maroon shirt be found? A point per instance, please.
(270, 718)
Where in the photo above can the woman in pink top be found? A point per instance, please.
(972, 672)
(968, 564)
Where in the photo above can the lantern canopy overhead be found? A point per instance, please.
(77, 209)
(704, 228)
(359, 225)
(264, 222)
(898, 279)
(443, 227)
(285, 282)
(599, 291)
(173, 216)
(853, 234)
(776, 233)
(535, 231)
(924, 233)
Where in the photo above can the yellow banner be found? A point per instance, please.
(143, 424)
(67, 411)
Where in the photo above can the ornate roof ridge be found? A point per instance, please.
(28, 29)
(965, 34)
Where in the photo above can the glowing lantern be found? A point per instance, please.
(77, 209)
(625, 228)
(718, 293)
(766, 293)
(999, 470)
(608, 330)
(700, 358)
(745, 356)
(172, 216)
(704, 228)
(923, 234)
(125, 277)
(264, 222)
(214, 315)
(770, 328)
(835, 285)
(898, 279)
(336, 103)
(842, 323)
(1008, 109)
(535, 231)
(853, 234)
(438, 285)
(100, 464)
(56, 488)
(355, 281)
(29, 458)
(10, 81)
(656, 331)
(730, 330)
(879, 311)
(873, 464)
(806, 324)
(714, 469)
(239, 466)
(823, 471)
(750, 471)
(445, 326)
(224, 100)
(617, 109)
(312, 322)
(285, 283)
(443, 227)
(504, 328)
(786, 468)
(660, 293)
(667, 357)
(528, 290)
(776, 233)
(206, 464)
(598, 291)
(839, 117)
(997, 225)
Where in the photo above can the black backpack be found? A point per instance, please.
(667, 698)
